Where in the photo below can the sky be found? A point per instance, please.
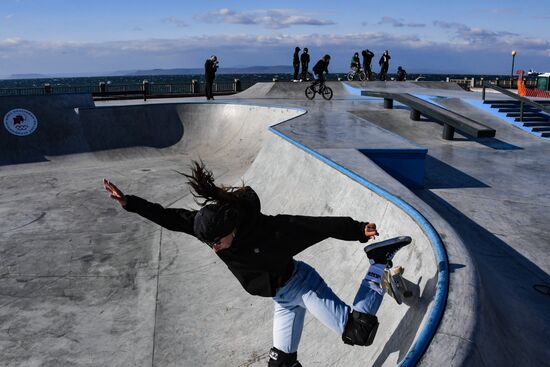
(77, 37)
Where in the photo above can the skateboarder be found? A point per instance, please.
(259, 249)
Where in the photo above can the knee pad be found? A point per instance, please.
(278, 358)
(360, 329)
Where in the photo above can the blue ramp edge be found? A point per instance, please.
(426, 334)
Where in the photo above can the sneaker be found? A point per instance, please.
(382, 252)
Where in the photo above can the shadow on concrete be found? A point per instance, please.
(403, 336)
(440, 175)
(507, 280)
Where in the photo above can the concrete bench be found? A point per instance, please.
(451, 120)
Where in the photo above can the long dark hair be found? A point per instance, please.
(204, 190)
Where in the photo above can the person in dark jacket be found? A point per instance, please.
(367, 60)
(320, 68)
(210, 68)
(355, 63)
(304, 60)
(384, 63)
(259, 249)
(401, 74)
(296, 63)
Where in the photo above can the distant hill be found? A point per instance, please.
(222, 70)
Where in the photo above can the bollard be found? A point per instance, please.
(47, 88)
(415, 115)
(195, 86)
(483, 93)
(448, 132)
(145, 89)
(497, 82)
(237, 87)
(388, 103)
(473, 83)
(275, 79)
(102, 87)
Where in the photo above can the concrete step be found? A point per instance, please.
(497, 101)
(516, 109)
(525, 114)
(541, 129)
(517, 119)
(536, 123)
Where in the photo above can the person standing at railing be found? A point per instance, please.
(210, 68)
(296, 63)
(384, 63)
(304, 60)
(367, 59)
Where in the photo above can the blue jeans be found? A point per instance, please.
(306, 290)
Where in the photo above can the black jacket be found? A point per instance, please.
(261, 254)
(321, 66)
(210, 68)
(296, 58)
(304, 59)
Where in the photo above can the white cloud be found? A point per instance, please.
(270, 18)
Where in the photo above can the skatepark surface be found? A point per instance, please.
(84, 283)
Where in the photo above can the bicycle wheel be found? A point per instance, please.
(362, 75)
(310, 93)
(327, 93)
(351, 75)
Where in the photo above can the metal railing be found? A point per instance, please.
(468, 83)
(522, 100)
(149, 90)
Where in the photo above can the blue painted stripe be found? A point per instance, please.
(422, 341)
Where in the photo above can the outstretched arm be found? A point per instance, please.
(180, 220)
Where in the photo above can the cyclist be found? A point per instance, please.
(355, 62)
(321, 67)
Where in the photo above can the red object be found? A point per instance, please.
(529, 92)
(18, 119)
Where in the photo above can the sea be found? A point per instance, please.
(246, 79)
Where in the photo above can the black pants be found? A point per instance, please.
(368, 71)
(383, 72)
(304, 72)
(296, 71)
(208, 90)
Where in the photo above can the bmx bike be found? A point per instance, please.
(357, 72)
(322, 89)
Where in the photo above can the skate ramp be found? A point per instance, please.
(86, 283)
(296, 91)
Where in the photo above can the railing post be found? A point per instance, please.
(47, 88)
(521, 111)
(415, 115)
(145, 89)
(237, 87)
(483, 93)
(473, 83)
(497, 82)
(195, 86)
(102, 87)
(388, 103)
